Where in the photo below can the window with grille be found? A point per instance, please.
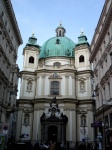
(31, 60)
(54, 88)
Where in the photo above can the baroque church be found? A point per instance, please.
(55, 100)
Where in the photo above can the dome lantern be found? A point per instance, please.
(60, 31)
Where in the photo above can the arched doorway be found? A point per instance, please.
(52, 133)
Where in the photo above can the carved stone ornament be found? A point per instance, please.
(83, 131)
(53, 113)
(27, 110)
(30, 78)
(82, 111)
(55, 76)
(81, 79)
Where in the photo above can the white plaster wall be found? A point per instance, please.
(62, 61)
(70, 86)
(39, 86)
(47, 86)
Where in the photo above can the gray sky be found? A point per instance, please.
(44, 16)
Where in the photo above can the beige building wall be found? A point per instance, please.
(101, 57)
(10, 39)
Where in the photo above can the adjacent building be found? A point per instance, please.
(101, 57)
(10, 39)
(55, 100)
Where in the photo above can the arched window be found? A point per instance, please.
(81, 58)
(60, 33)
(54, 88)
(83, 120)
(31, 60)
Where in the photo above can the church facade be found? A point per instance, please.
(55, 100)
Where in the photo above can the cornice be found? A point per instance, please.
(101, 35)
(81, 47)
(31, 48)
(84, 72)
(4, 55)
(3, 77)
(101, 60)
(12, 17)
(106, 76)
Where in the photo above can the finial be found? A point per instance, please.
(82, 31)
(33, 33)
(60, 23)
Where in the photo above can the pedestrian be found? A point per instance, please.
(52, 146)
(62, 145)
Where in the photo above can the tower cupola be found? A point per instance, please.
(82, 39)
(60, 31)
(32, 41)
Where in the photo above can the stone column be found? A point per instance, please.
(62, 131)
(73, 86)
(36, 87)
(46, 132)
(67, 84)
(34, 130)
(43, 86)
(59, 132)
(19, 124)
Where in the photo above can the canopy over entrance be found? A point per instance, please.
(53, 124)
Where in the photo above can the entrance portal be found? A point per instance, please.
(52, 133)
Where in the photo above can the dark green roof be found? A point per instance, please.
(82, 39)
(57, 46)
(32, 42)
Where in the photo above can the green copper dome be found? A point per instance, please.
(59, 46)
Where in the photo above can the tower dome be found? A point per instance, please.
(59, 46)
(32, 41)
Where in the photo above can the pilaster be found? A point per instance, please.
(43, 85)
(19, 124)
(35, 136)
(67, 84)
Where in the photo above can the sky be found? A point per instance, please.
(43, 16)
